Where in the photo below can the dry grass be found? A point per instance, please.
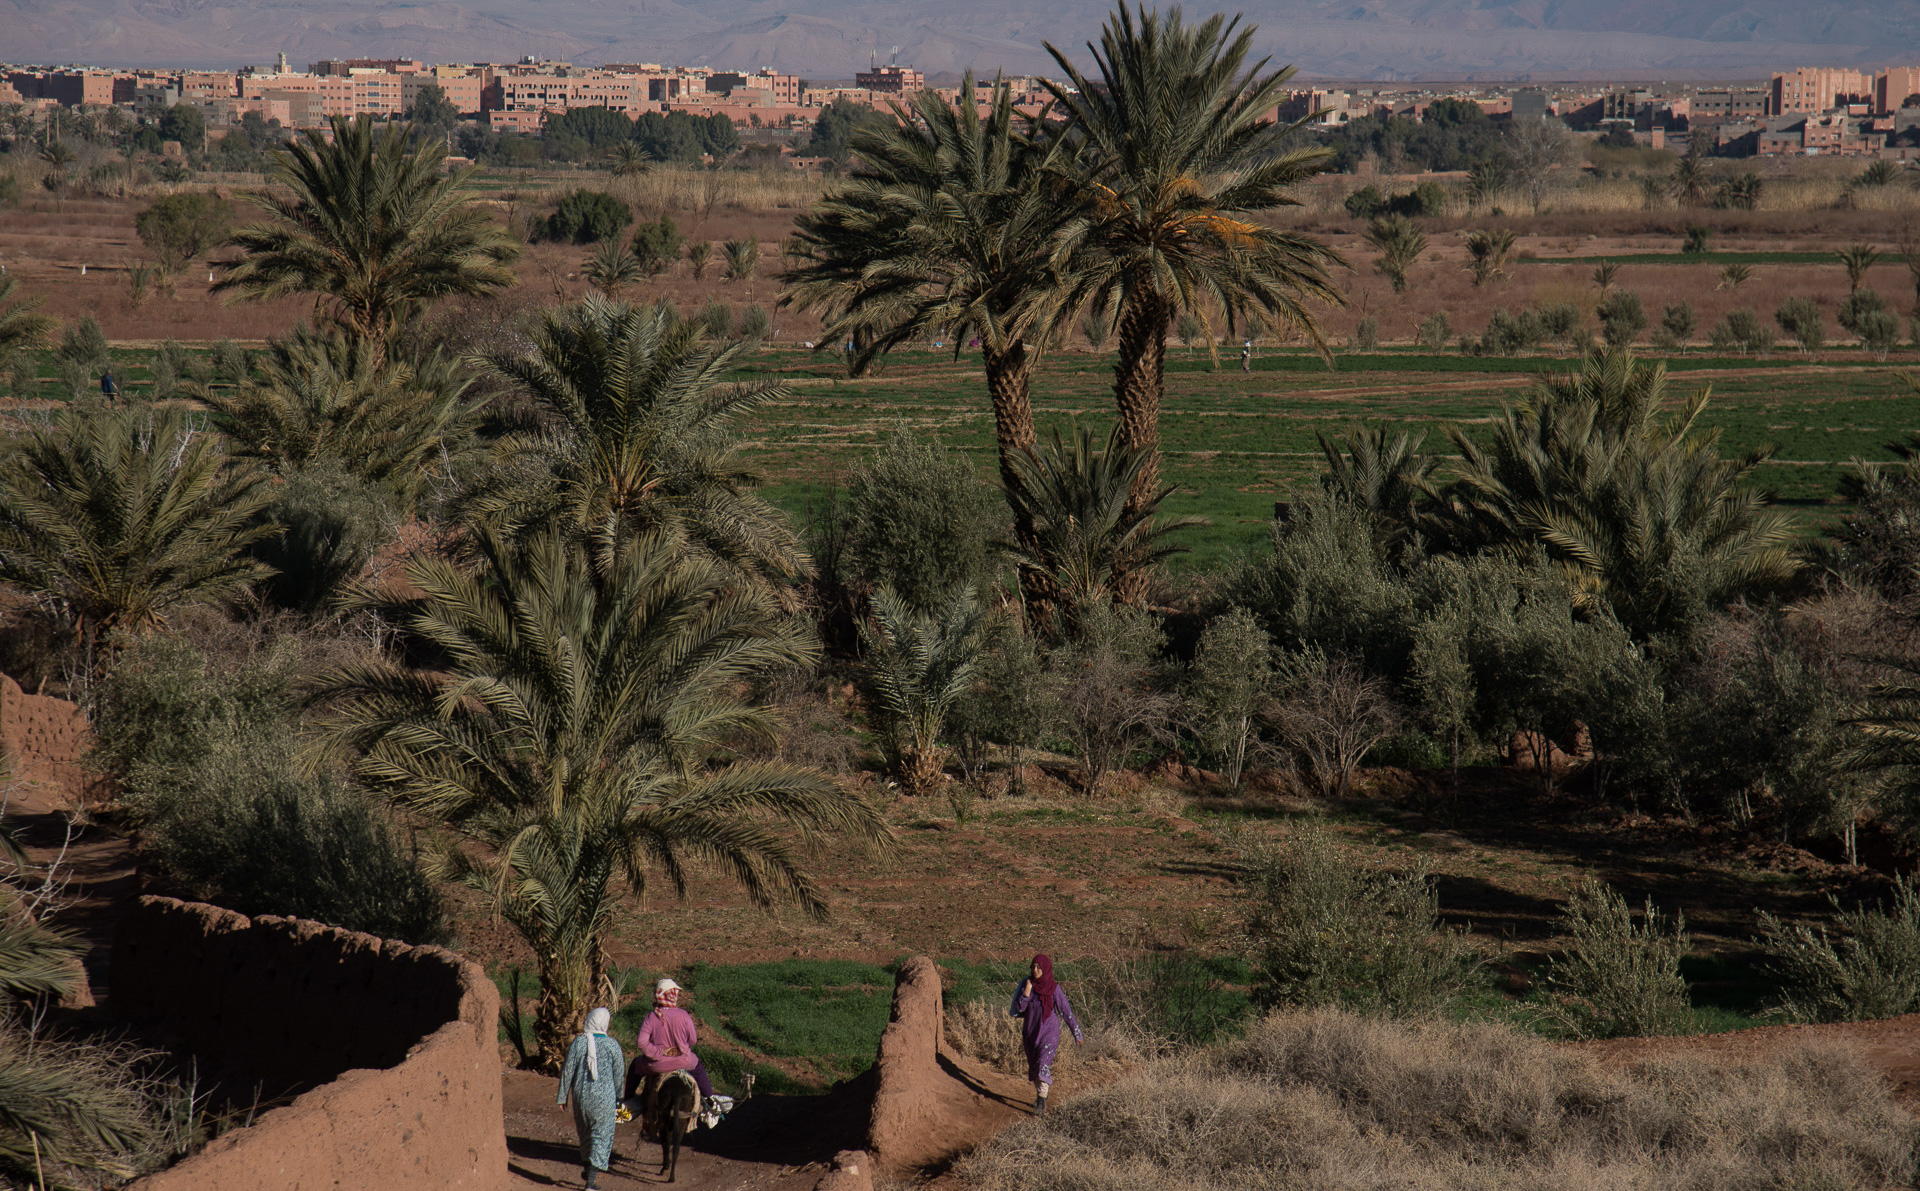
(1329, 1101)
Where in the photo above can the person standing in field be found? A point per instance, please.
(1043, 1004)
(591, 1079)
(108, 388)
(1246, 356)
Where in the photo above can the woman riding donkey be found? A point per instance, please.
(1042, 1003)
(666, 1041)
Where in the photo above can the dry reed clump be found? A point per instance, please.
(983, 1031)
(1330, 1101)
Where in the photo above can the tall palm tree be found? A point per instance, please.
(1091, 538)
(946, 226)
(1173, 149)
(918, 666)
(639, 436)
(1858, 259)
(20, 328)
(325, 396)
(569, 732)
(1638, 506)
(121, 516)
(1692, 181)
(373, 224)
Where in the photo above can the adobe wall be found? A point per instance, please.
(47, 739)
(396, 1044)
(930, 1105)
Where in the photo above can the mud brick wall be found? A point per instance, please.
(393, 1048)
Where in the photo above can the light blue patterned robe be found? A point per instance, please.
(594, 1100)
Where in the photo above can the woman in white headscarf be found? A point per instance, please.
(591, 1079)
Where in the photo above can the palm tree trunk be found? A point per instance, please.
(568, 984)
(1139, 379)
(1009, 380)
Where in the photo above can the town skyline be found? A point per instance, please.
(1374, 41)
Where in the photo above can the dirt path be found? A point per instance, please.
(770, 1143)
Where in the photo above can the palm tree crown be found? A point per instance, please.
(1174, 148)
(333, 397)
(568, 730)
(1638, 505)
(120, 516)
(639, 436)
(374, 225)
(945, 228)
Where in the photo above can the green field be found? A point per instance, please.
(1235, 443)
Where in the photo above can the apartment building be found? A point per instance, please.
(464, 86)
(1892, 88)
(891, 80)
(74, 88)
(1815, 89)
(778, 88)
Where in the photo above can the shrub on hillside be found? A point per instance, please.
(1109, 703)
(1800, 318)
(1324, 930)
(1742, 330)
(1227, 687)
(1435, 331)
(1867, 968)
(1617, 977)
(210, 776)
(918, 519)
(331, 522)
(1622, 317)
(585, 217)
(656, 245)
(588, 217)
(178, 227)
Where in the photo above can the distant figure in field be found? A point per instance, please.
(591, 1079)
(108, 388)
(1246, 356)
(1042, 1003)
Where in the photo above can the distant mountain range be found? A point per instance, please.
(1343, 39)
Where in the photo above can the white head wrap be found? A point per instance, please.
(598, 1022)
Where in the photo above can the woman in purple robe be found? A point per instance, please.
(1042, 1003)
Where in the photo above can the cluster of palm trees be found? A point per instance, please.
(1137, 205)
(615, 587)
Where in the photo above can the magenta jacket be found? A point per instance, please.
(665, 1029)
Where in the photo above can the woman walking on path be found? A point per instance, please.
(591, 1078)
(1043, 1003)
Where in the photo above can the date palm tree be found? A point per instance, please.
(57, 1109)
(1173, 150)
(118, 517)
(1091, 536)
(20, 328)
(1487, 250)
(1858, 259)
(569, 732)
(329, 397)
(1399, 243)
(1637, 505)
(374, 225)
(919, 663)
(945, 225)
(638, 436)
